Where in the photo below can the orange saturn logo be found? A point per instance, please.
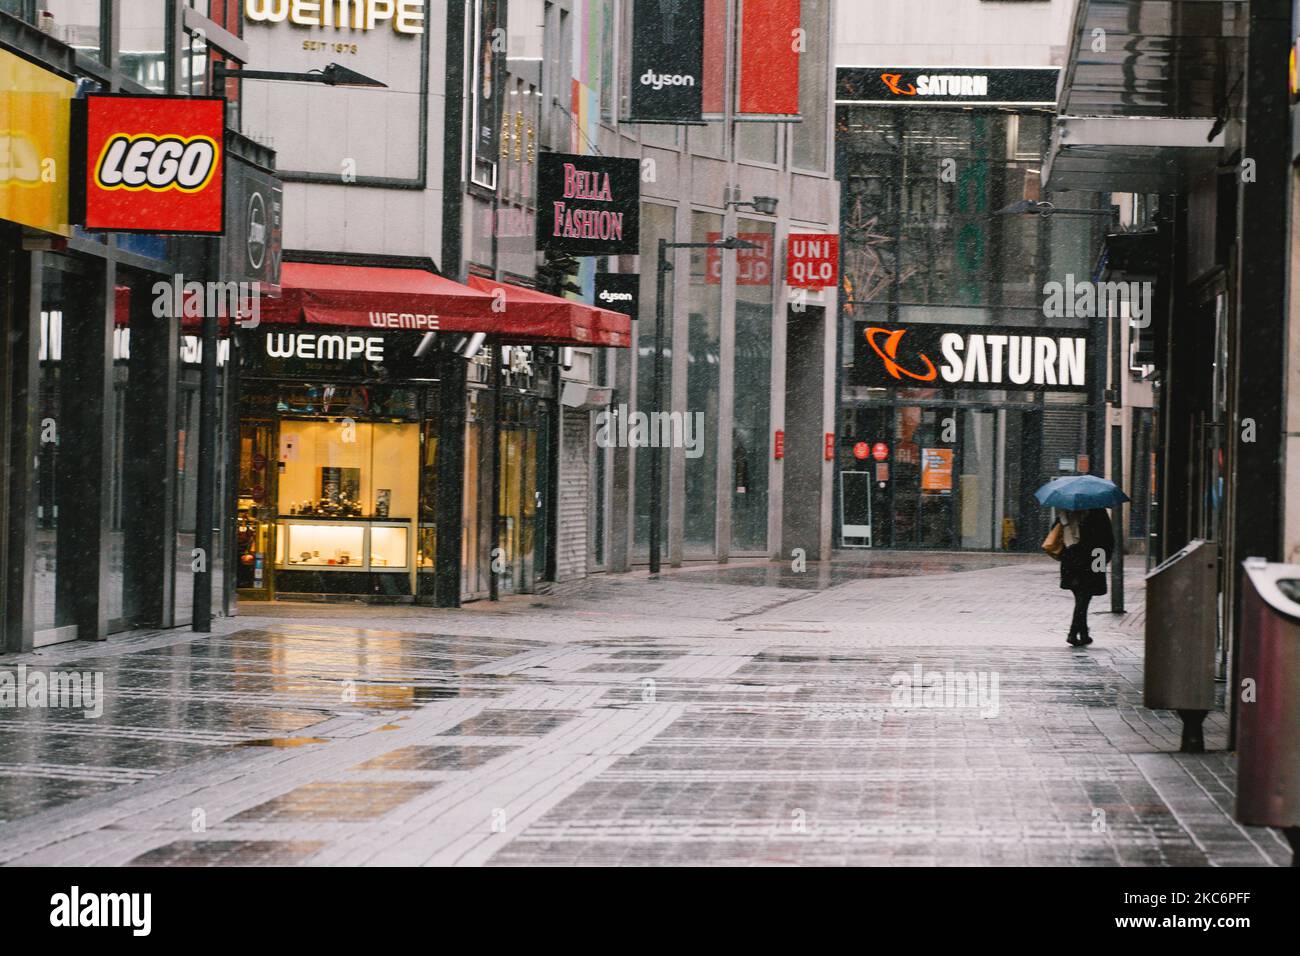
(892, 80)
(888, 355)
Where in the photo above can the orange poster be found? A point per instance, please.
(936, 469)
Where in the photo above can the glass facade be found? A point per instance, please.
(923, 242)
(657, 222)
(752, 377)
(703, 377)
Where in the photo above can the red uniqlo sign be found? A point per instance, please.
(812, 262)
(828, 451)
(778, 445)
(753, 266)
(880, 451)
(154, 164)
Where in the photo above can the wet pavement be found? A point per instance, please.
(890, 709)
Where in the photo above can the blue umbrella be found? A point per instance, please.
(1079, 493)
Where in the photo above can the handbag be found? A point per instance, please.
(1054, 543)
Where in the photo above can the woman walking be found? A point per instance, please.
(1088, 544)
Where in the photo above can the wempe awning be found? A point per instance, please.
(416, 299)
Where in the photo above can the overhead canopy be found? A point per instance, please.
(531, 316)
(415, 299)
(1142, 94)
(377, 297)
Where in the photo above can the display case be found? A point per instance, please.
(342, 544)
(390, 546)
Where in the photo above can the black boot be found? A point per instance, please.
(1084, 637)
(1073, 640)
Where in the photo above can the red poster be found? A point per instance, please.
(155, 163)
(753, 266)
(770, 42)
(715, 55)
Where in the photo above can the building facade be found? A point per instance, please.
(971, 371)
(102, 392)
(747, 360)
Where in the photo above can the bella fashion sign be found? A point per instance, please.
(588, 205)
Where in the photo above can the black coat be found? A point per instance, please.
(1077, 572)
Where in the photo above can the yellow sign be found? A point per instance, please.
(34, 120)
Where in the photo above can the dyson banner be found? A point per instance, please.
(667, 61)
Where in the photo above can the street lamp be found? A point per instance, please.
(334, 74)
(656, 498)
(1027, 207)
(763, 205)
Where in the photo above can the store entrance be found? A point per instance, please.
(523, 494)
(944, 477)
(256, 518)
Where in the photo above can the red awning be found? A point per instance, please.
(395, 299)
(530, 316)
(377, 297)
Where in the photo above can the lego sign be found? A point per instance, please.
(152, 163)
(811, 262)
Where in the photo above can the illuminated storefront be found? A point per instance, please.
(100, 386)
(962, 387)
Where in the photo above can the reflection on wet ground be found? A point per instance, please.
(697, 718)
(165, 707)
(819, 575)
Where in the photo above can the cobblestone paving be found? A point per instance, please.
(881, 709)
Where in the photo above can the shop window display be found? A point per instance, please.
(348, 494)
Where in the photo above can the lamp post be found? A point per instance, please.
(664, 267)
(205, 490)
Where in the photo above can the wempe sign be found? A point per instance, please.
(969, 356)
(588, 205)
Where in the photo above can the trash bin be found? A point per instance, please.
(1181, 626)
(1268, 684)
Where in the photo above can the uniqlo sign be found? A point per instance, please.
(812, 261)
(152, 163)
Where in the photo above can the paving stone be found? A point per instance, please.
(739, 715)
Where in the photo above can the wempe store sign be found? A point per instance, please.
(588, 205)
(969, 356)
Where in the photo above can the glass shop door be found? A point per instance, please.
(256, 510)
